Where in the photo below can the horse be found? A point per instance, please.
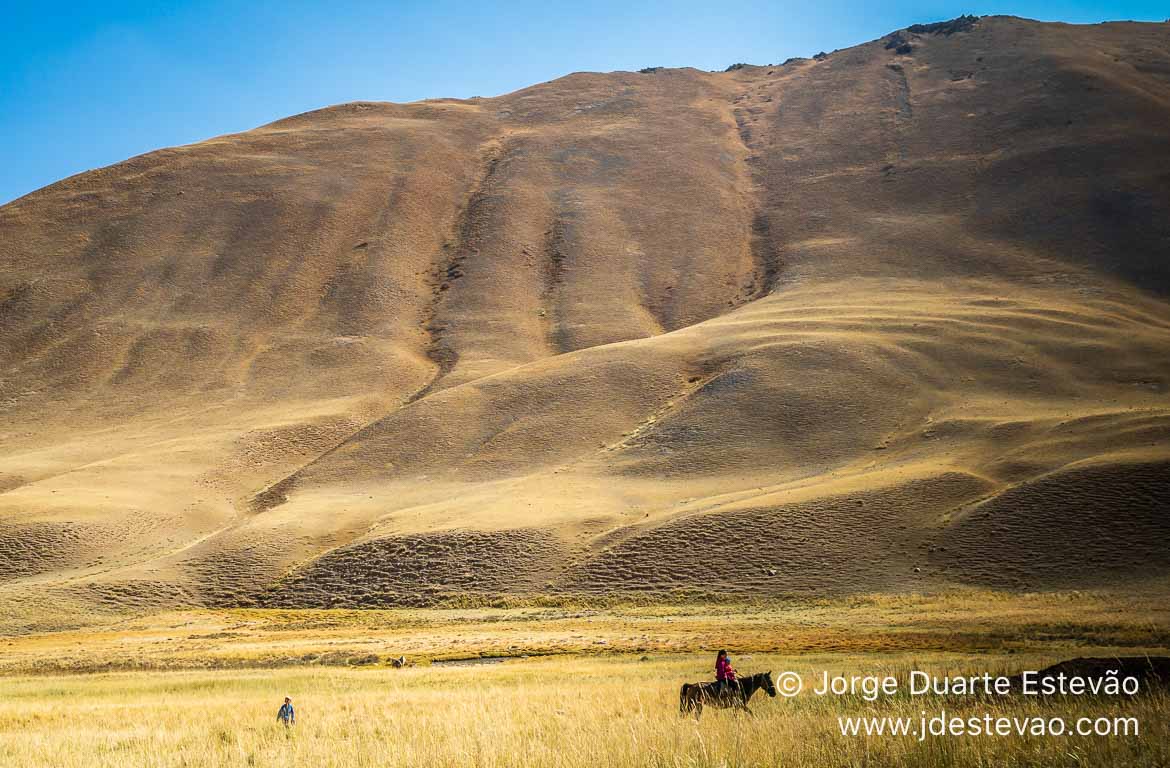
(693, 696)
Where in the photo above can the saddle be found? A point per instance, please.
(728, 689)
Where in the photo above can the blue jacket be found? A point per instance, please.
(287, 714)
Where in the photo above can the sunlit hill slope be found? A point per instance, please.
(895, 318)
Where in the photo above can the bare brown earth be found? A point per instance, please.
(876, 322)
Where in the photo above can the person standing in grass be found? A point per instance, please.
(286, 714)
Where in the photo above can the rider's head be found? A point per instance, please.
(721, 655)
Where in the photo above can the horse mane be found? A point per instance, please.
(758, 681)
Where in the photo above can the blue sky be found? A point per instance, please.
(86, 84)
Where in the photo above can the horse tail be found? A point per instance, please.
(682, 698)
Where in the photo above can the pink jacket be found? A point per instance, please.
(723, 670)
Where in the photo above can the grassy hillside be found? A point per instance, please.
(892, 320)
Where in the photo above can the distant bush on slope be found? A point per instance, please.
(960, 24)
(898, 43)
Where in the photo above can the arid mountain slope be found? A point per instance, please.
(895, 318)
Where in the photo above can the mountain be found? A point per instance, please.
(893, 318)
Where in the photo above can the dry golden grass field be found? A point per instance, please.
(589, 705)
(968, 622)
(538, 712)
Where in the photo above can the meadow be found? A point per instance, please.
(1055, 624)
(567, 686)
(568, 711)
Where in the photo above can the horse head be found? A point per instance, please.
(769, 685)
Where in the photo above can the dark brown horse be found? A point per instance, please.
(694, 696)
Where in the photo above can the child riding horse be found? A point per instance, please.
(724, 673)
(693, 696)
